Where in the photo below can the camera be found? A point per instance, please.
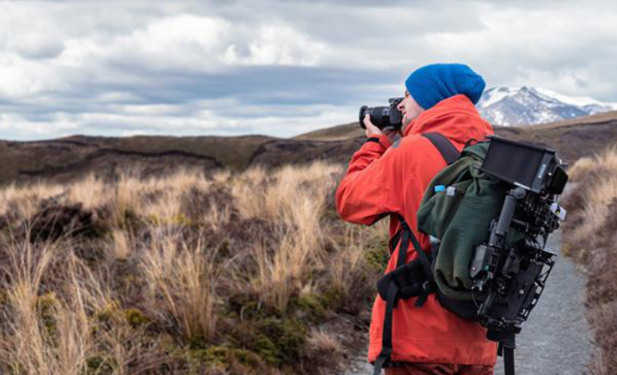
(385, 118)
(510, 277)
(531, 167)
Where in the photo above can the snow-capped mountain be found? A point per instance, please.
(528, 105)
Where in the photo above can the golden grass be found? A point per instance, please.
(49, 333)
(295, 200)
(90, 192)
(325, 344)
(25, 200)
(162, 271)
(182, 282)
(605, 160)
(599, 177)
(126, 198)
(350, 255)
(217, 216)
(121, 246)
(165, 207)
(590, 237)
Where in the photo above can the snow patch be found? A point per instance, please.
(578, 101)
(530, 105)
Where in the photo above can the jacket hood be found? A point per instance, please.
(455, 117)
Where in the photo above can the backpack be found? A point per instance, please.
(460, 210)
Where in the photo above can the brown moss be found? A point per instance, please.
(46, 309)
(135, 318)
(227, 359)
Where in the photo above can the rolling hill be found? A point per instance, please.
(65, 159)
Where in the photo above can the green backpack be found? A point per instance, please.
(457, 210)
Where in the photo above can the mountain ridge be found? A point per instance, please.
(508, 106)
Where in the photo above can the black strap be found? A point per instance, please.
(427, 288)
(393, 293)
(507, 343)
(445, 147)
(394, 240)
(405, 234)
(386, 338)
(508, 360)
(372, 139)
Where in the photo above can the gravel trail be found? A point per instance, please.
(556, 339)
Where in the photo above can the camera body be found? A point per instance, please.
(385, 118)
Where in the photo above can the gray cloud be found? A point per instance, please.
(277, 67)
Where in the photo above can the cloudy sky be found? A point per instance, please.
(276, 67)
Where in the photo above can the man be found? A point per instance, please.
(386, 179)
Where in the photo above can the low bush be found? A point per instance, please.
(590, 238)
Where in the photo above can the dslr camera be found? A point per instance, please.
(385, 118)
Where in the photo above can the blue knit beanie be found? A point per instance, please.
(433, 83)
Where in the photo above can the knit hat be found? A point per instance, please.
(433, 83)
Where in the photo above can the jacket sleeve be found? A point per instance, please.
(364, 194)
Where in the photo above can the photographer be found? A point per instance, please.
(390, 179)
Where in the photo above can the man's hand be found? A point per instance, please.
(372, 130)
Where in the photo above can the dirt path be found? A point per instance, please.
(556, 339)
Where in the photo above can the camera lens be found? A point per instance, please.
(383, 117)
(363, 110)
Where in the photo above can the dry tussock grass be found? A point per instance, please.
(590, 238)
(182, 279)
(322, 346)
(603, 161)
(53, 332)
(187, 274)
(23, 200)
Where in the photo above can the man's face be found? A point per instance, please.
(409, 108)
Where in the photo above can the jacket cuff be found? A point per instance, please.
(380, 139)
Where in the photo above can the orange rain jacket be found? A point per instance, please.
(391, 180)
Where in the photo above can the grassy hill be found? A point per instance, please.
(64, 159)
(335, 133)
(572, 138)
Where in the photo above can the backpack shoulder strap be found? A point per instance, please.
(445, 147)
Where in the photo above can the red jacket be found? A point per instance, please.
(382, 179)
